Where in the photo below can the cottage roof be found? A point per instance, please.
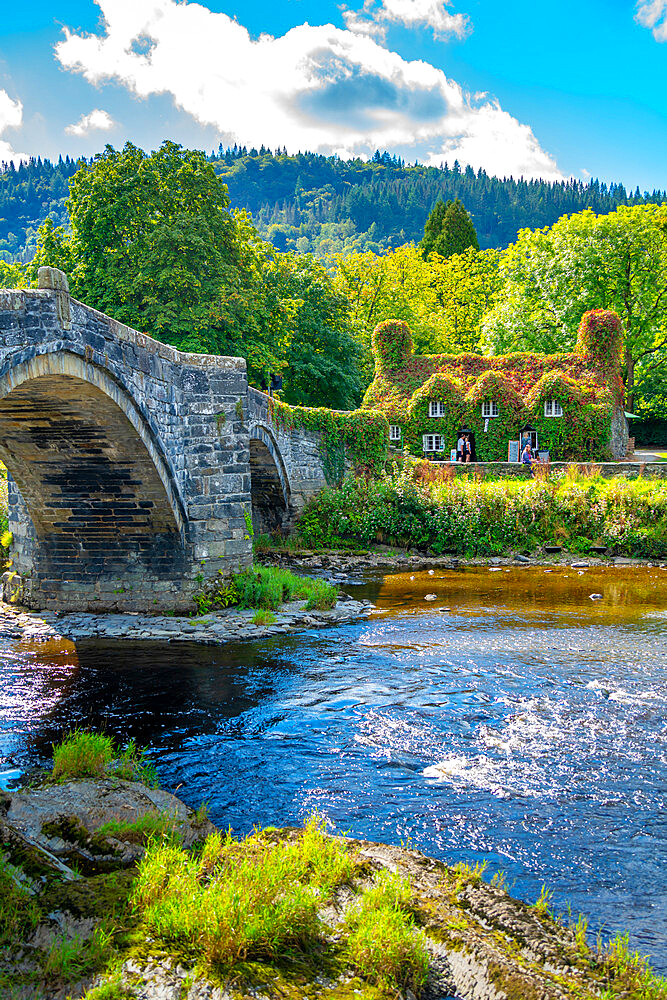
(590, 374)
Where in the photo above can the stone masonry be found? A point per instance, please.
(134, 468)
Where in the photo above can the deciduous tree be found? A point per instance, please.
(551, 277)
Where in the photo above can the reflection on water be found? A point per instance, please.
(511, 718)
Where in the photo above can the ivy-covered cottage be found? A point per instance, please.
(570, 405)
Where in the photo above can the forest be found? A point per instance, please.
(161, 242)
(323, 205)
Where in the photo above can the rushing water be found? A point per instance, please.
(511, 718)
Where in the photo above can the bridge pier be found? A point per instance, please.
(128, 460)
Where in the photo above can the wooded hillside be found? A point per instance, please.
(322, 204)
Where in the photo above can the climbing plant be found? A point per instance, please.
(360, 436)
(587, 384)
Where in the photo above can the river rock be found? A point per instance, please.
(74, 811)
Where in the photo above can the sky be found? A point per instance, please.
(573, 89)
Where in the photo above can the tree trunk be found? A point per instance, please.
(629, 379)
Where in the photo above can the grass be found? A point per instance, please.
(147, 827)
(542, 904)
(83, 754)
(19, 913)
(628, 973)
(256, 899)
(113, 989)
(266, 588)
(383, 944)
(264, 618)
(70, 958)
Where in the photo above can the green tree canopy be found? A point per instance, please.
(448, 230)
(551, 277)
(152, 239)
(321, 355)
(153, 244)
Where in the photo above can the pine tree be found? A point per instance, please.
(448, 230)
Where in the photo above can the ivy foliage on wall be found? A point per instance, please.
(358, 436)
(587, 384)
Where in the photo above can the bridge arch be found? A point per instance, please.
(98, 490)
(269, 482)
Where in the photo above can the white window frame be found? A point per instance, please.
(489, 408)
(432, 443)
(436, 408)
(394, 432)
(552, 408)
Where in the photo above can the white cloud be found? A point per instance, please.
(11, 116)
(653, 14)
(433, 13)
(319, 88)
(95, 121)
(411, 13)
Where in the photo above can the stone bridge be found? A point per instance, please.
(134, 469)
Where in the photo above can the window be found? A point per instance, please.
(552, 408)
(433, 442)
(394, 432)
(489, 408)
(436, 409)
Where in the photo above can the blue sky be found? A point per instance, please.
(575, 89)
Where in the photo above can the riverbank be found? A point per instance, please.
(93, 906)
(432, 511)
(337, 564)
(214, 628)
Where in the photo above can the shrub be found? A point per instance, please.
(491, 517)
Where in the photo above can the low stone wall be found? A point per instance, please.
(630, 470)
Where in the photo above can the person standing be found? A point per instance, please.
(459, 449)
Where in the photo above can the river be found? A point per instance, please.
(510, 718)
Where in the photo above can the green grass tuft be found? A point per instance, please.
(19, 913)
(267, 588)
(252, 900)
(83, 754)
(383, 944)
(628, 973)
(70, 958)
(264, 618)
(147, 827)
(113, 989)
